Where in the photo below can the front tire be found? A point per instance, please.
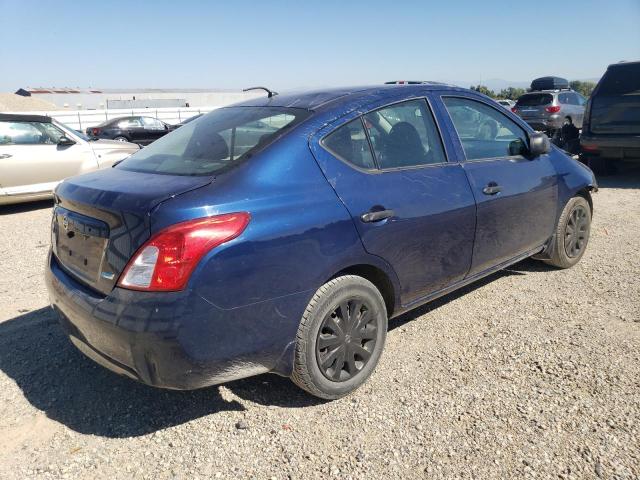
(572, 234)
(340, 338)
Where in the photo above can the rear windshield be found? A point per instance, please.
(216, 141)
(534, 100)
(621, 80)
(615, 106)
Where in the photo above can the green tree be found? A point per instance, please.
(583, 88)
(511, 93)
(484, 90)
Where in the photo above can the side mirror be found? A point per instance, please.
(539, 144)
(65, 141)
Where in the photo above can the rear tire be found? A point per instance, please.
(340, 338)
(121, 139)
(572, 234)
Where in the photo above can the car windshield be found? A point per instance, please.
(66, 129)
(534, 100)
(216, 142)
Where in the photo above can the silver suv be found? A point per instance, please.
(549, 110)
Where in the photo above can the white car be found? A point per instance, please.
(37, 153)
(508, 104)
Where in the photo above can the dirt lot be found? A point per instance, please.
(532, 373)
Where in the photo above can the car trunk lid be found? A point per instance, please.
(102, 218)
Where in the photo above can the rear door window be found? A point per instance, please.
(152, 123)
(534, 100)
(350, 144)
(484, 131)
(405, 135)
(133, 122)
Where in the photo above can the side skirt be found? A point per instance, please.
(466, 281)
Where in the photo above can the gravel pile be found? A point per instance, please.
(532, 373)
(10, 102)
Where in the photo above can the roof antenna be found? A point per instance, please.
(269, 92)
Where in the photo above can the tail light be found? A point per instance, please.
(553, 109)
(95, 132)
(165, 262)
(514, 109)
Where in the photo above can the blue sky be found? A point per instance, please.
(282, 44)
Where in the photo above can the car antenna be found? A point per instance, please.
(270, 93)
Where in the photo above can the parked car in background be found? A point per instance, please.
(279, 235)
(506, 103)
(36, 153)
(136, 129)
(549, 108)
(611, 129)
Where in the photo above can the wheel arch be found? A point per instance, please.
(586, 194)
(380, 279)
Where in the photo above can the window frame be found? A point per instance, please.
(459, 141)
(377, 169)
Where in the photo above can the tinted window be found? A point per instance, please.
(28, 133)
(404, 135)
(615, 105)
(217, 141)
(621, 80)
(484, 131)
(132, 122)
(534, 100)
(349, 142)
(152, 123)
(565, 98)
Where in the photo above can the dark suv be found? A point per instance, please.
(611, 130)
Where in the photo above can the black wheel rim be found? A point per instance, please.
(346, 340)
(576, 232)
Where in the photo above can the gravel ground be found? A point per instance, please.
(531, 373)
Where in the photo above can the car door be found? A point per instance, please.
(31, 161)
(153, 129)
(132, 127)
(410, 205)
(516, 195)
(578, 102)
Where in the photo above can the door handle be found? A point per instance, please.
(376, 216)
(492, 188)
(5, 155)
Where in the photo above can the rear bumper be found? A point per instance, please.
(612, 147)
(175, 340)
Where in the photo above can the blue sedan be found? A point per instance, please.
(281, 234)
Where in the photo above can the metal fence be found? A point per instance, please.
(82, 119)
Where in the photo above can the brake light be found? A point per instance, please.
(553, 109)
(514, 109)
(589, 148)
(165, 262)
(95, 132)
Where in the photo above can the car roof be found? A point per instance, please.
(320, 99)
(17, 117)
(623, 64)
